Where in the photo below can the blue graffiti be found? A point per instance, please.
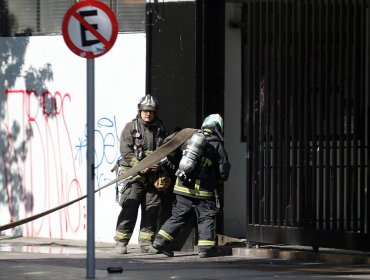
(106, 151)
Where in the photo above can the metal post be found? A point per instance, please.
(90, 183)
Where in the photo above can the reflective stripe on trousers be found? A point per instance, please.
(146, 235)
(165, 235)
(121, 236)
(206, 243)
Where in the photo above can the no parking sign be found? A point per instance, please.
(90, 28)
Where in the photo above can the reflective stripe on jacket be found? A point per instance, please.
(197, 191)
(212, 167)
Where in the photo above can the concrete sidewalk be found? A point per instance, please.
(38, 258)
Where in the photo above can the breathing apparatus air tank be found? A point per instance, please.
(192, 153)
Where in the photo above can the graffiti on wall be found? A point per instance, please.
(106, 148)
(41, 156)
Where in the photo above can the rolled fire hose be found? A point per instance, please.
(148, 161)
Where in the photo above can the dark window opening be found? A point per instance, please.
(45, 17)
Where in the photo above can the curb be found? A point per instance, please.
(334, 256)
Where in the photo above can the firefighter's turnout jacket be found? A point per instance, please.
(211, 168)
(139, 139)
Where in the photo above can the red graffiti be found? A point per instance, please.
(39, 162)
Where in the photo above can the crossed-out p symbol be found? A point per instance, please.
(90, 28)
(84, 41)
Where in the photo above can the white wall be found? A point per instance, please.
(235, 187)
(43, 160)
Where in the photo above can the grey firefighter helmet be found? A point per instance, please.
(214, 122)
(148, 103)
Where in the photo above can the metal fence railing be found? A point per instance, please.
(306, 74)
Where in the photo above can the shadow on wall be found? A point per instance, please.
(13, 151)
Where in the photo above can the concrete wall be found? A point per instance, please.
(43, 131)
(235, 187)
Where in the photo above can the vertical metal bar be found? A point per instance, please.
(334, 120)
(253, 100)
(367, 124)
(315, 112)
(327, 92)
(280, 93)
(295, 65)
(302, 7)
(304, 84)
(286, 106)
(252, 42)
(261, 90)
(280, 118)
(341, 103)
(257, 112)
(348, 119)
(259, 99)
(259, 115)
(249, 110)
(323, 165)
(362, 129)
(90, 169)
(267, 115)
(317, 103)
(362, 119)
(328, 192)
(304, 112)
(274, 183)
(365, 153)
(249, 38)
(323, 120)
(355, 92)
(250, 96)
(306, 107)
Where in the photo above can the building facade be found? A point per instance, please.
(289, 77)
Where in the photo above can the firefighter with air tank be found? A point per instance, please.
(204, 162)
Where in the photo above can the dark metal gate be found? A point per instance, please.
(306, 112)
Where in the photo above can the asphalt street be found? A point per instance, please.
(24, 258)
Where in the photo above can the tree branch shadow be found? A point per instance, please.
(15, 134)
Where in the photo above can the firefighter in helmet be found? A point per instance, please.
(140, 137)
(204, 162)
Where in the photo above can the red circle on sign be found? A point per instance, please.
(76, 47)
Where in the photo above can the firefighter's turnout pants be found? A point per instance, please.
(135, 195)
(205, 210)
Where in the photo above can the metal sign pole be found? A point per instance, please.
(74, 30)
(90, 169)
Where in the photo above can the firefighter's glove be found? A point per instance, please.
(145, 170)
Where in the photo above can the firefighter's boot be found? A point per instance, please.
(208, 252)
(163, 247)
(121, 248)
(148, 249)
(145, 241)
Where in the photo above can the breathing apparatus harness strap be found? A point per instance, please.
(148, 161)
